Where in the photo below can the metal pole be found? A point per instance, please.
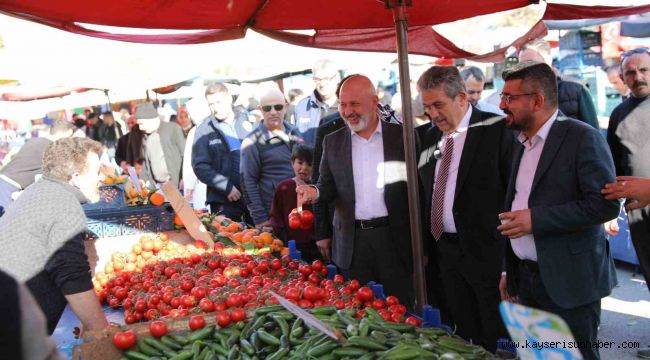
(401, 25)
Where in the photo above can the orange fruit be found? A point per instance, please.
(266, 237)
(237, 237)
(157, 199)
(133, 193)
(177, 220)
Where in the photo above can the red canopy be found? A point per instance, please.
(361, 25)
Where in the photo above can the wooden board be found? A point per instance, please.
(183, 209)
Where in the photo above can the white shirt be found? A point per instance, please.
(524, 247)
(487, 107)
(448, 224)
(368, 172)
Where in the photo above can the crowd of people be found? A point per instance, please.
(513, 198)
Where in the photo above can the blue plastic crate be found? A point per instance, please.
(582, 58)
(581, 39)
(129, 220)
(111, 198)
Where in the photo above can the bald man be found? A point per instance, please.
(363, 172)
(266, 157)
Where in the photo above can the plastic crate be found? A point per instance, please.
(582, 58)
(581, 39)
(129, 220)
(111, 197)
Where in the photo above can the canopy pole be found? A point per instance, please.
(401, 26)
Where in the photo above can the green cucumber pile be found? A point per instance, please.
(274, 333)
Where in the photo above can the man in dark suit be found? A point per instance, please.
(464, 168)
(558, 257)
(363, 171)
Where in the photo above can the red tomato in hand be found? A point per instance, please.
(294, 222)
(124, 340)
(197, 322)
(306, 219)
(158, 328)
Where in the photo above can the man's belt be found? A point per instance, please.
(371, 223)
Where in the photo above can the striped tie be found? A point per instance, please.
(438, 200)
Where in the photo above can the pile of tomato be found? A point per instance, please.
(226, 285)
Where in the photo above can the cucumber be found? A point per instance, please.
(268, 338)
(349, 351)
(366, 343)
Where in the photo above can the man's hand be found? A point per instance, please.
(234, 195)
(264, 225)
(324, 248)
(503, 290)
(611, 227)
(631, 188)
(307, 194)
(515, 224)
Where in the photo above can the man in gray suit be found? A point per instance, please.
(558, 257)
(363, 172)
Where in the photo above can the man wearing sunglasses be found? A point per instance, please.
(628, 140)
(322, 101)
(266, 156)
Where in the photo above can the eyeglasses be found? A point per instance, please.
(277, 107)
(317, 79)
(640, 50)
(507, 98)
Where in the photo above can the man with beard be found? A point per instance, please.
(558, 257)
(363, 172)
(266, 157)
(628, 140)
(464, 169)
(43, 233)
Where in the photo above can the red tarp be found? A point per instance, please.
(35, 94)
(361, 25)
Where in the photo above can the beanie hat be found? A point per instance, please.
(146, 111)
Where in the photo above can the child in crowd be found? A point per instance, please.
(285, 200)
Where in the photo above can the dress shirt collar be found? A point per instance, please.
(464, 123)
(542, 133)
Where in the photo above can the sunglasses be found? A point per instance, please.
(277, 107)
(640, 50)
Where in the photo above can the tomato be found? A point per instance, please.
(378, 304)
(399, 309)
(199, 292)
(354, 285)
(221, 307)
(339, 304)
(364, 294)
(151, 314)
(306, 219)
(293, 294)
(238, 314)
(305, 304)
(206, 305)
(411, 320)
(124, 340)
(129, 319)
(294, 222)
(187, 285)
(197, 322)
(396, 317)
(392, 300)
(187, 301)
(312, 293)
(233, 300)
(338, 279)
(276, 264)
(223, 319)
(158, 328)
